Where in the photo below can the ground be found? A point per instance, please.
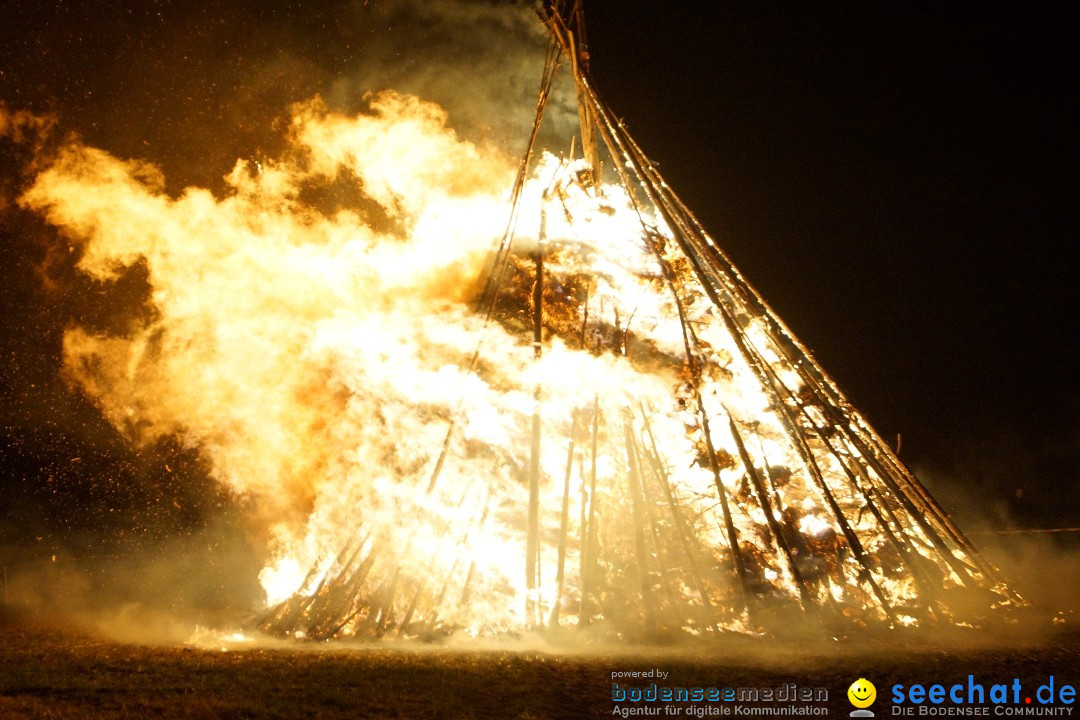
(52, 668)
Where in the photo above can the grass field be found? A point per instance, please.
(52, 668)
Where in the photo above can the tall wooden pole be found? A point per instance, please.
(564, 523)
(579, 59)
(589, 531)
(532, 545)
(637, 503)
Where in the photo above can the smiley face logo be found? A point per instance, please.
(862, 693)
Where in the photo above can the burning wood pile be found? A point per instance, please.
(664, 456)
(449, 413)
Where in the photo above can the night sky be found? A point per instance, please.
(900, 184)
(898, 181)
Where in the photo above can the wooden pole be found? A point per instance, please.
(680, 525)
(770, 519)
(612, 132)
(716, 273)
(563, 526)
(637, 502)
(689, 243)
(442, 459)
(285, 616)
(532, 545)
(386, 611)
(589, 533)
(838, 514)
(579, 60)
(466, 589)
(352, 604)
(654, 529)
(729, 523)
(460, 543)
(585, 318)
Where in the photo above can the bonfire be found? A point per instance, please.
(484, 399)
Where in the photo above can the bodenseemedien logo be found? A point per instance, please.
(862, 694)
(713, 701)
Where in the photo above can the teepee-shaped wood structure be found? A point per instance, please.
(709, 476)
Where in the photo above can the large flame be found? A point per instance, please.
(322, 360)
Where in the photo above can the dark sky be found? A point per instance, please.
(897, 180)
